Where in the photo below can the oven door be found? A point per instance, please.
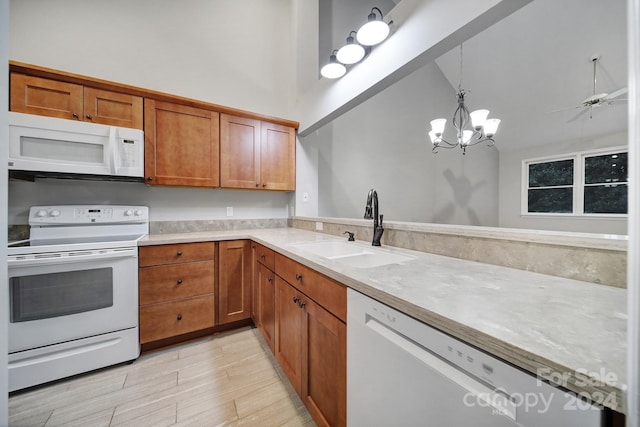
(53, 302)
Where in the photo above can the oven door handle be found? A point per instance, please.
(67, 257)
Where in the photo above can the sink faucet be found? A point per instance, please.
(371, 212)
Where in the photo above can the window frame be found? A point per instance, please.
(579, 160)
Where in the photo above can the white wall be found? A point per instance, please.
(382, 144)
(4, 137)
(510, 192)
(234, 53)
(166, 203)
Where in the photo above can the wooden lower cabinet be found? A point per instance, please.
(310, 346)
(266, 307)
(234, 289)
(177, 289)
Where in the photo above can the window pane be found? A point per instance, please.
(555, 200)
(605, 199)
(550, 174)
(607, 168)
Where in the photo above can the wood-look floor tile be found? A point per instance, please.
(226, 379)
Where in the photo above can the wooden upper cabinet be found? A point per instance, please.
(181, 145)
(278, 157)
(111, 108)
(256, 154)
(239, 152)
(44, 97)
(47, 97)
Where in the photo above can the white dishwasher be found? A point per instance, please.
(401, 372)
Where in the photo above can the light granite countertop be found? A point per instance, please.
(570, 332)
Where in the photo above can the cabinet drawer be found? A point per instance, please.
(170, 282)
(323, 290)
(166, 320)
(170, 254)
(265, 256)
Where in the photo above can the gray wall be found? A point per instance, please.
(511, 188)
(382, 144)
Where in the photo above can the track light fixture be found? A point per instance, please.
(373, 32)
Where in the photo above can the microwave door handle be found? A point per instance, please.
(113, 149)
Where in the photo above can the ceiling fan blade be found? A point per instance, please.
(565, 109)
(577, 116)
(615, 94)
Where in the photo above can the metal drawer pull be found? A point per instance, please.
(179, 316)
(270, 279)
(179, 253)
(76, 116)
(89, 116)
(301, 304)
(295, 299)
(179, 281)
(298, 276)
(262, 256)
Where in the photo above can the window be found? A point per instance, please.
(580, 184)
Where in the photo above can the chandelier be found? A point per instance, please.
(482, 129)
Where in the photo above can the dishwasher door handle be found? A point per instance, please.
(495, 398)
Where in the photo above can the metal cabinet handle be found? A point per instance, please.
(262, 256)
(76, 116)
(264, 185)
(257, 184)
(179, 281)
(301, 304)
(179, 316)
(149, 178)
(270, 279)
(89, 116)
(179, 253)
(295, 299)
(298, 277)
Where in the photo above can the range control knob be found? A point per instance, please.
(128, 212)
(138, 212)
(41, 213)
(55, 213)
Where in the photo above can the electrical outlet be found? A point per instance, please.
(229, 210)
(319, 226)
(305, 197)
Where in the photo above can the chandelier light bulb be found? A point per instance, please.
(478, 118)
(350, 53)
(437, 126)
(491, 127)
(433, 137)
(333, 69)
(466, 136)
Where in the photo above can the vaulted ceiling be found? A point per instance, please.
(538, 60)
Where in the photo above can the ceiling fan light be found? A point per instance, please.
(350, 53)
(437, 126)
(333, 69)
(373, 32)
(491, 127)
(478, 118)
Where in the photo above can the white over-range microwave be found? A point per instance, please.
(52, 145)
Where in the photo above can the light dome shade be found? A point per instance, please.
(350, 53)
(372, 33)
(491, 127)
(433, 137)
(333, 70)
(478, 118)
(437, 126)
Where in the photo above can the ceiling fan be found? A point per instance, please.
(597, 99)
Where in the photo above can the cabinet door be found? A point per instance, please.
(234, 296)
(181, 145)
(289, 331)
(254, 283)
(266, 304)
(278, 157)
(35, 95)
(324, 365)
(239, 152)
(111, 108)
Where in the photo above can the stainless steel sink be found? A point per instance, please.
(353, 254)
